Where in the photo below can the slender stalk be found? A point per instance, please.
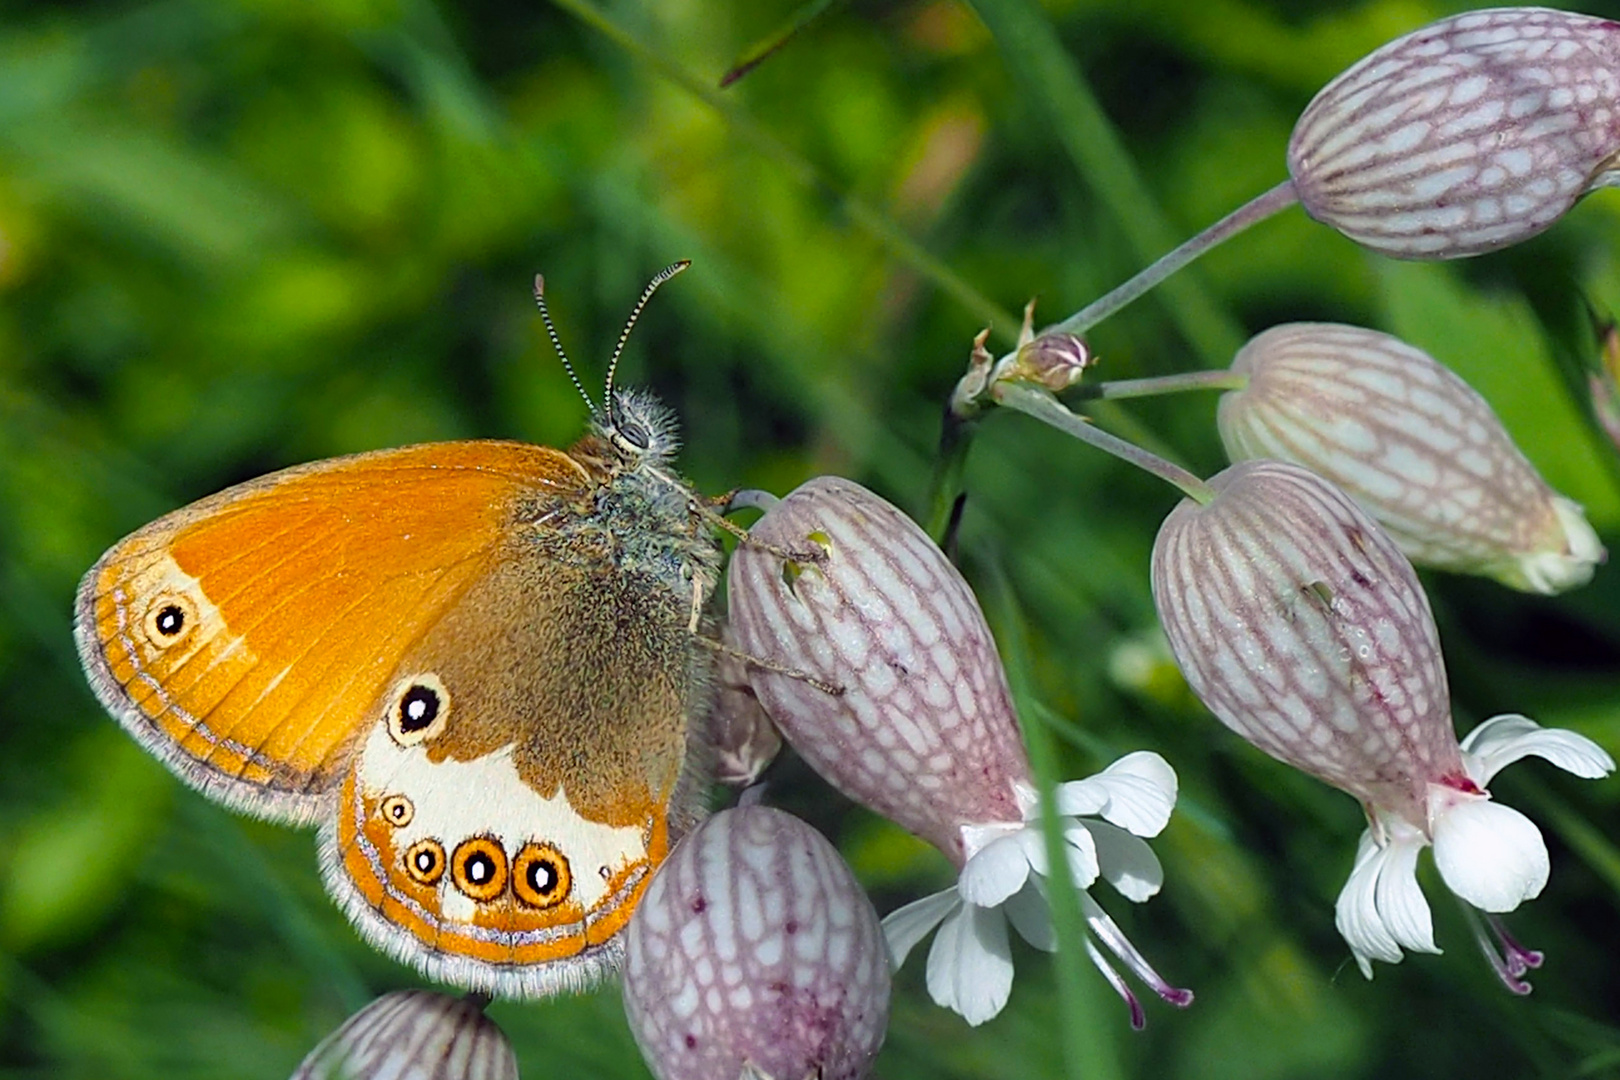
(1046, 408)
(1219, 379)
(1255, 210)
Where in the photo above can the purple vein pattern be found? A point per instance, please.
(1470, 134)
(755, 946)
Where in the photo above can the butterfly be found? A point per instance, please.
(473, 664)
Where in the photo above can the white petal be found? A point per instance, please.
(995, 873)
(1033, 841)
(1031, 916)
(1502, 740)
(1489, 854)
(1356, 912)
(1401, 906)
(1082, 852)
(1127, 862)
(970, 967)
(905, 926)
(1137, 792)
(1077, 798)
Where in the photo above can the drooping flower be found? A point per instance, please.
(1470, 134)
(893, 691)
(414, 1035)
(1411, 442)
(756, 954)
(1300, 624)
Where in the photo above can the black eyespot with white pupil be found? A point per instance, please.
(479, 869)
(170, 621)
(540, 876)
(424, 862)
(418, 708)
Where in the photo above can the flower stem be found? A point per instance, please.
(1255, 210)
(1044, 407)
(1218, 379)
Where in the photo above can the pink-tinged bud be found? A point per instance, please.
(1414, 445)
(923, 731)
(741, 736)
(1473, 133)
(1297, 620)
(414, 1035)
(755, 949)
(1300, 624)
(1054, 361)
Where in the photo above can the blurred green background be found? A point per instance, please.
(240, 234)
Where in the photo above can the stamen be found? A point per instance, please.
(1522, 958)
(1508, 968)
(1117, 981)
(1109, 933)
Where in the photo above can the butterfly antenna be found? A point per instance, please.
(635, 313)
(556, 342)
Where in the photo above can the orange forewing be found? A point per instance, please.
(298, 593)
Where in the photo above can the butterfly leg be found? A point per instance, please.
(713, 511)
(763, 664)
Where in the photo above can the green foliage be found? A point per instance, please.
(237, 234)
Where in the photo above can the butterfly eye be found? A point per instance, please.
(424, 862)
(169, 619)
(540, 876)
(419, 709)
(397, 811)
(479, 868)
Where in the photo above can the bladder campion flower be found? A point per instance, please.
(1297, 620)
(1470, 134)
(756, 954)
(923, 731)
(414, 1035)
(1416, 446)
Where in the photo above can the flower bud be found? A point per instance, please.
(1414, 445)
(740, 734)
(1297, 620)
(1470, 134)
(755, 948)
(414, 1035)
(923, 730)
(1054, 361)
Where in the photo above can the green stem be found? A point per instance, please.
(946, 485)
(1219, 379)
(1255, 210)
(1046, 408)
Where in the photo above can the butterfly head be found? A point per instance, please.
(640, 428)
